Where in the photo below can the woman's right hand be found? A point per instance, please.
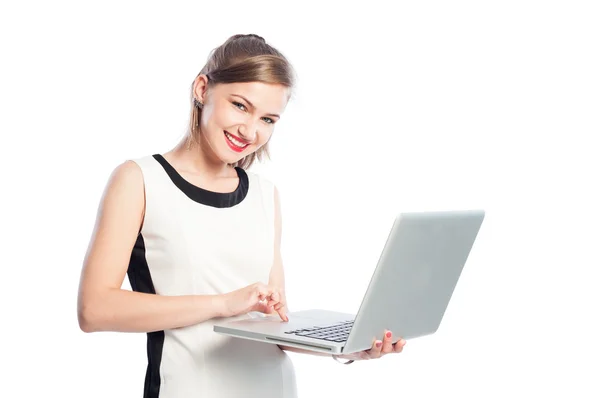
(256, 297)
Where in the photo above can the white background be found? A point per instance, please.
(420, 106)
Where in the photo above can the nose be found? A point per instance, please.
(248, 132)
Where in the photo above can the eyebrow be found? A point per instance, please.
(252, 105)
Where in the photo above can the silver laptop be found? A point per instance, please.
(408, 294)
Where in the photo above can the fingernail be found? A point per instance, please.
(402, 342)
(378, 344)
(388, 334)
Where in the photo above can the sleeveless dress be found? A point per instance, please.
(195, 241)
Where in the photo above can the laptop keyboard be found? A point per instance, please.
(337, 332)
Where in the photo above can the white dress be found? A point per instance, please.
(195, 241)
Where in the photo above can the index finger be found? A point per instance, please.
(281, 310)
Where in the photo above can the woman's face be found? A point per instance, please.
(239, 118)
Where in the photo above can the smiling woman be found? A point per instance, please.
(240, 96)
(166, 221)
(242, 115)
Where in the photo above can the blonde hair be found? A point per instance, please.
(242, 58)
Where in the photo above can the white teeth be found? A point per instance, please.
(234, 141)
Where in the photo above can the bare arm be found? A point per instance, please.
(102, 305)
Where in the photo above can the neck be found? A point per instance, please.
(199, 158)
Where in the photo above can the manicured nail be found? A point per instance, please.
(388, 334)
(378, 344)
(402, 342)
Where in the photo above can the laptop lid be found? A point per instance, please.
(415, 276)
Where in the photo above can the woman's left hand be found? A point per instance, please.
(379, 348)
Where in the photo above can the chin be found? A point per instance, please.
(231, 158)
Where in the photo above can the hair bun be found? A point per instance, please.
(251, 35)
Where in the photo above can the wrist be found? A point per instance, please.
(219, 303)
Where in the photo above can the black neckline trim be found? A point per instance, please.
(204, 196)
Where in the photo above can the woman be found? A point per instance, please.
(198, 237)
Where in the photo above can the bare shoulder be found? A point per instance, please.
(123, 200)
(125, 187)
(120, 216)
(126, 175)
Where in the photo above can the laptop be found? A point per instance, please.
(409, 291)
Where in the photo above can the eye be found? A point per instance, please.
(242, 107)
(239, 106)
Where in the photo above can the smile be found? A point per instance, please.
(234, 143)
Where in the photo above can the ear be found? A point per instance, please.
(200, 87)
